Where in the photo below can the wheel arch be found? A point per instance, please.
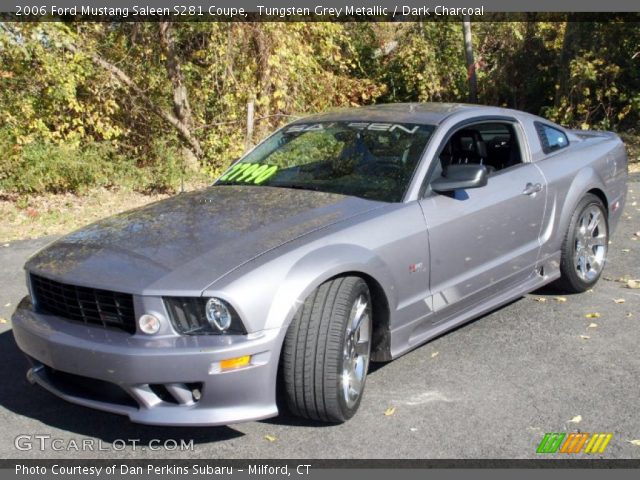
(339, 261)
(586, 181)
(381, 338)
(602, 196)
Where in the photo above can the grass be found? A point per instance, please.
(55, 214)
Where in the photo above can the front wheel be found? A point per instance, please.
(326, 351)
(585, 246)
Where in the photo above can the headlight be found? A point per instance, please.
(218, 314)
(203, 316)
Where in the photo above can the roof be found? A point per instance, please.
(428, 113)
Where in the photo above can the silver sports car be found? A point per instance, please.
(341, 239)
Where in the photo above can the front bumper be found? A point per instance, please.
(168, 380)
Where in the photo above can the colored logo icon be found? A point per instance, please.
(574, 443)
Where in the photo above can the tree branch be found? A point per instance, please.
(123, 78)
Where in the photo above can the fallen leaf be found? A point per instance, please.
(629, 315)
(635, 442)
(633, 204)
(270, 438)
(625, 250)
(593, 325)
(585, 337)
(540, 299)
(413, 429)
(637, 234)
(3, 320)
(5, 245)
(592, 315)
(618, 300)
(7, 304)
(560, 299)
(435, 354)
(633, 284)
(576, 419)
(389, 411)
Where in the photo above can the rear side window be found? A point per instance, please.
(551, 138)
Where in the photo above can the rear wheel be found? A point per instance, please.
(585, 246)
(326, 351)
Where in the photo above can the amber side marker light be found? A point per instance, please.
(231, 363)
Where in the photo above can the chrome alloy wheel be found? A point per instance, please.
(357, 348)
(591, 239)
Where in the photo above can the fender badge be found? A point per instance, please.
(414, 267)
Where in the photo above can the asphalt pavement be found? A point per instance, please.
(490, 389)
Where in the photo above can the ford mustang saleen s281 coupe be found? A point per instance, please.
(342, 238)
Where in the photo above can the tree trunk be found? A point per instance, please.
(471, 64)
(181, 106)
(568, 52)
(123, 78)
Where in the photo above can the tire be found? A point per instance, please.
(323, 371)
(585, 246)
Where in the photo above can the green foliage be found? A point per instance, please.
(167, 168)
(67, 122)
(45, 167)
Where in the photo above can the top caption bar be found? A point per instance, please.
(324, 10)
(321, 7)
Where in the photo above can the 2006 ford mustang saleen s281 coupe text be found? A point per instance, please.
(342, 238)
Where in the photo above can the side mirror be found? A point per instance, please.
(456, 177)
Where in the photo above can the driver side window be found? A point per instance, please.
(492, 144)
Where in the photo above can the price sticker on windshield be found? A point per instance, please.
(249, 173)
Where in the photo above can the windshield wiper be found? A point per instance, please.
(296, 186)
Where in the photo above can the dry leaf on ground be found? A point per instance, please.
(560, 299)
(633, 284)
(435, 354)
(576, 419)
(619, 300)
(270, 438)
(540, 299)
(389, 411)
(592, 315)
(585, 337)
(635, 442)
(3, 320)
(593, 325)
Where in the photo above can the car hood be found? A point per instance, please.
(183, 244)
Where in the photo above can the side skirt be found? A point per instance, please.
(477, 310)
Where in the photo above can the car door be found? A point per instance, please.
(484, 240)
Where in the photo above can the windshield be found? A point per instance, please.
(365, 159)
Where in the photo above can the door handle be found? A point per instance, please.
(532, 188)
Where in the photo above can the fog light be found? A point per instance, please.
(237, 362)
(149, 324)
